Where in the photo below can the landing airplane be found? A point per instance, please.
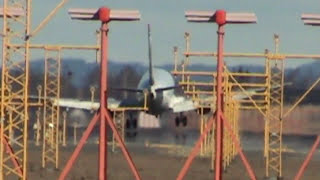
(159, 86)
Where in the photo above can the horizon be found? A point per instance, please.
(82, 60)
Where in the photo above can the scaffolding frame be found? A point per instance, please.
(52, 90)
(273, 129)
(269, 103)
(38, 130)
(119, 122)
(14, 88)
(51, 112)
(16, 36)
(196, 89)
(64, 129)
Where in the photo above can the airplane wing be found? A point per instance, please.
(181, 104)
(86, 105)
(77, 104)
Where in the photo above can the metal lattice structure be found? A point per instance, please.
(14, 88)
(38, 130)
(231, 111)
(64, 129)
(119, 122)
(203, 93)
(50, 143)
(52, 88)
(268, 102)
(233, 85)
(275, 114)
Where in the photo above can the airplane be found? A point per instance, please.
(160, 87)
(157, 83)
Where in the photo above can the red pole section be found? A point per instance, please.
(195, 150)
(103, 104)
(239, 149)
(122, 146)
(13, 158)
(104, 17)
(307, 160)
(80, 145)
(220, 20)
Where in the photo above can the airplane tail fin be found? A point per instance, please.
(151, 80)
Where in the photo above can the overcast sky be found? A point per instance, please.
(128, 40)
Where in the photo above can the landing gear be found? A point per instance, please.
(181, 119)
(131, 127)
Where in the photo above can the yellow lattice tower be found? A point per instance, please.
(37, 133)
(269, 103)
(273, 157)
(50, 143)
(196, 89)
(231, 112)
(191, 89)
(119, 121)
(15, 73)
(226, 112)
(230, 108)
(64, 129)
(227, 146)
(235, 115)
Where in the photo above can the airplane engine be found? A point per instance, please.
(78, 118)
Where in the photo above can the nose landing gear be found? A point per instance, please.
(131, 127)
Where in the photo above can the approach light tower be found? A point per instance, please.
(105, 15)
(15, 15)
(313, 20)
(222, 18)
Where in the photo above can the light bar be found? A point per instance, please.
(209, 16)
(308, 16)
(312, 22)
(115, 15)
(12, 12)
(311, 19)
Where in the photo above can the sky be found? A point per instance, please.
(128, 40)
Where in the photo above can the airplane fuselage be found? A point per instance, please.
(158, 101)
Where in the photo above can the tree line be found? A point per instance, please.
(127, 77)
